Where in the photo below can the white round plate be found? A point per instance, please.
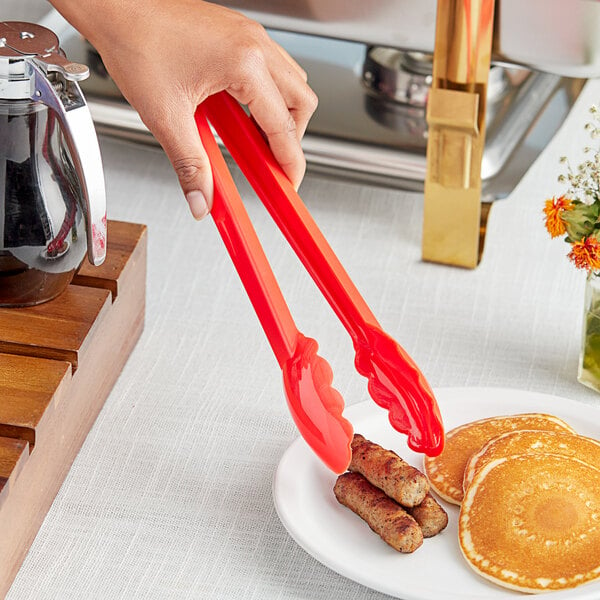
(307, 507)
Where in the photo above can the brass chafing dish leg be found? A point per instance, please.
(453, 222)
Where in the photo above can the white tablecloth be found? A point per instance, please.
(170, 496)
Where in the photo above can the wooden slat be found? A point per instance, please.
(29, 389)
(13, 454)
(123, 238)
(58, 329)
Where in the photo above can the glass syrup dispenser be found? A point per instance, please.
(52, 195)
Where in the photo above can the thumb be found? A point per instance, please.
(181, 142)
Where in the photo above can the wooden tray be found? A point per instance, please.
(58, 363)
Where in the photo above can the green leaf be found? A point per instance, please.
(580, 221)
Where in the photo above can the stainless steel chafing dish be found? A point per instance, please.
(371, 61)
(471, 90)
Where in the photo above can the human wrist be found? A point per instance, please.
(96, 20)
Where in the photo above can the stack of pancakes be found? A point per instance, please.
(529, 491)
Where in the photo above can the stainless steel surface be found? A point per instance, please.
(52, 184)
(398, 75)
(364, 136)
(405, 77)
(555, 36)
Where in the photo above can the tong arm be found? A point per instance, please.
(250, 261)
(250, 151)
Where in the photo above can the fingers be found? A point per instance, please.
(274, 89)
(178, 136)
(301, 102)
(292, 83)
(291, 61)
(272, 115)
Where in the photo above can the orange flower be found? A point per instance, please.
(586, 254)
(553, 210)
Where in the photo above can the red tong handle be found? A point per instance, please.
(250, 151)
(251, 263)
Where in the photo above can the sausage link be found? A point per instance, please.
(387, 471)
(430, 516)
(386, 518)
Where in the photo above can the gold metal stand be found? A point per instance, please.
(453, 228)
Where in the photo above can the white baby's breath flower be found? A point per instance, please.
(588, 198)
(583, 180)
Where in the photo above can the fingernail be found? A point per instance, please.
(197, 203)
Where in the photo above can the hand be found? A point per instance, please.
(167, 56)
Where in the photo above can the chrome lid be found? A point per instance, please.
(22, 44)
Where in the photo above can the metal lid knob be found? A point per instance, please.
(22, 43)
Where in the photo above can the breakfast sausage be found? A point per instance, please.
(430, 516)
(387, 471)
(384, 516)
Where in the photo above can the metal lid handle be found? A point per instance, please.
(80, 136)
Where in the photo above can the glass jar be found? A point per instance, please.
(589, 359)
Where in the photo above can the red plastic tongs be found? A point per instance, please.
(395, 381)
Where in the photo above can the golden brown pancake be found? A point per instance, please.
(531, 522)
(445, 472)
(533, 442)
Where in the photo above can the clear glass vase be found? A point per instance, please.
(589, 359)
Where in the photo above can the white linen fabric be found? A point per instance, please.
(170, 496)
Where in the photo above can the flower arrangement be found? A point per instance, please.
(576, 214)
